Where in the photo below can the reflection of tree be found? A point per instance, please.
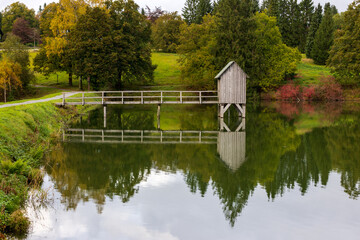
(276, 158)
(95, 171)
(344, 149)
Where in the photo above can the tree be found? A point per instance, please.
(132, 33)
(307, 9)
(46, 16)
(344, 54)
(9, 75)
(324, 37)
(16, 52)
(153, 15)
(234, 32)
(15, 11)
(22, 29)
(195, 10)
(314, 26)
(271, 61)
(197, 60)
(166, 31)
(1, 33)
(91, 47)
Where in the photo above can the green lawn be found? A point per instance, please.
(310, 73)
(166, 75)
(167, 71)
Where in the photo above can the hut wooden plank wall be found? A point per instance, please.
(231, 148)
(231, 83)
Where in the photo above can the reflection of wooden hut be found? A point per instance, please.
(231, 148)
(231, 84)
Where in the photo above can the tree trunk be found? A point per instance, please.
(5, 93)
(118, 83)
(70, 79)
(88, 82)
(80, 83)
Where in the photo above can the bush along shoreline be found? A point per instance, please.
(26, 133)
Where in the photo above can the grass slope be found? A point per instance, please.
(309, 73)
(25, 134)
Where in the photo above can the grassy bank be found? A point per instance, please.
(25, 134)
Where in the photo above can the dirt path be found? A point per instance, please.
(38, 101)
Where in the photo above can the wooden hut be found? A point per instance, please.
(231, 84)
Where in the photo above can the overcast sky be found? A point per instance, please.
(169, 5)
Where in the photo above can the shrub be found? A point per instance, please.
(18, 223)
(328, 90)
(308, 93)
(289, 91)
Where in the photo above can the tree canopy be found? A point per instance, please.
(195, 10)
(166, 31)
(15, 11)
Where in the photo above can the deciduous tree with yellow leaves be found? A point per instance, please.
(9, 75)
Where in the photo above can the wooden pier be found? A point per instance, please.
(231, 85)
(140, 97)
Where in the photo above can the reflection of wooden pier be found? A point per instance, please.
(140, 136)
(230, 145)
(231, 84)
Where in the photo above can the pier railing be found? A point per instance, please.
(140, 97)
(140, 136)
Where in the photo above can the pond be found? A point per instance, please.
(288, 171)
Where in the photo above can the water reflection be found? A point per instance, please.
(276, 151)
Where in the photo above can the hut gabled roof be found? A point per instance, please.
(226, 68)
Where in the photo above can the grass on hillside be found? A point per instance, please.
(166, 75)
(309, 73)
(167, 71)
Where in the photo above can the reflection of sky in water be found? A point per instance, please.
(164, 208)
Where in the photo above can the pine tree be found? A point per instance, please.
(314, 26)
(234, 32)
(344, 54)
(204, 7)
(324, 37)
(195, 10)
(307, 10)
(189, 11)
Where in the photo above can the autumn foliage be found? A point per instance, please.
(327, 90)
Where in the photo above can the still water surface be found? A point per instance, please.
(291, 172)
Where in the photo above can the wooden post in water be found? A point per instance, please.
(104, 116)
(158, 116)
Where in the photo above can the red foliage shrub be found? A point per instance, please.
(289, 91)
(308, 93)
(328, 90)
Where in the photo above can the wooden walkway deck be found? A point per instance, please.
(140, 97)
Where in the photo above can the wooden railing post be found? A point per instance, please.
(142, 97)
(122, 97)
(63, 100)
(200, 100)
(181, 99)
(83, 99)
(161, 99)
(102, 98)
